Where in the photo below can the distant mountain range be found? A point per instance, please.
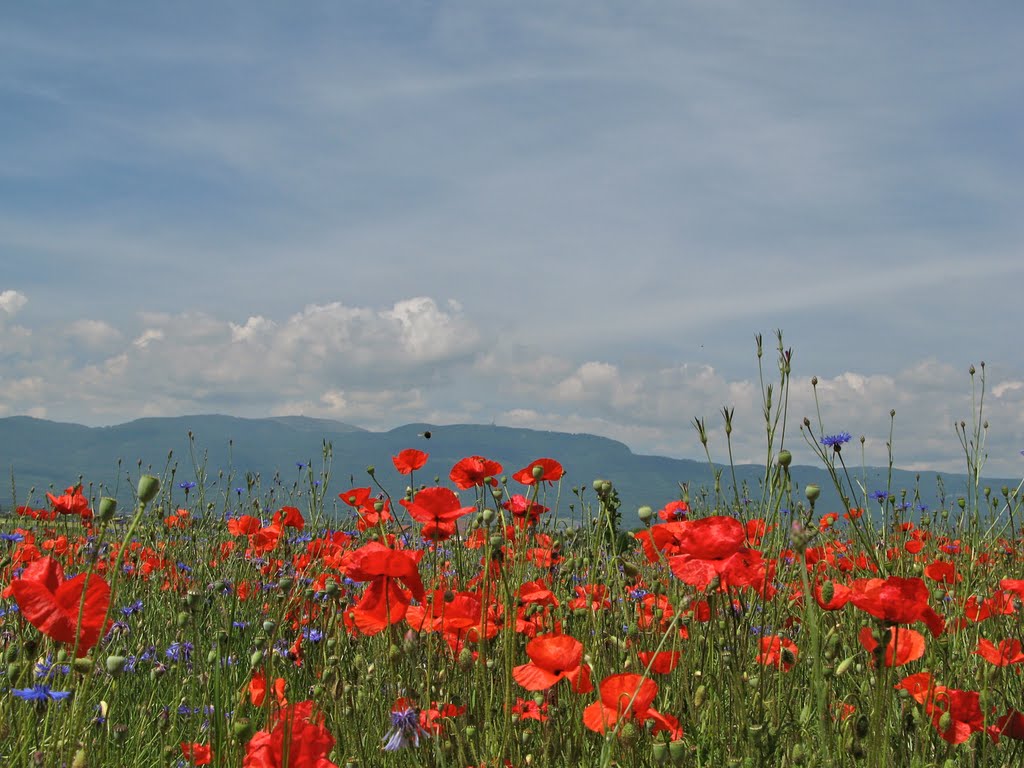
(44, 454)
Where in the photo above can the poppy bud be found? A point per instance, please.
(629, 734)
(370, 470)
(82, 666)
(242, 729)
(812, 492)
(255, 659)
(488, 516)
(148, 488)
(115, 665)
(699, 695)
(828, 591)
(182, 620)
(645, 514)
(285, 583)
(79, 759)
(785, 458)
(945, 721)
(331, 587)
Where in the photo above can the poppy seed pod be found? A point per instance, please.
(148, 488)
(785, 458)
(108, 507)
(812, 492)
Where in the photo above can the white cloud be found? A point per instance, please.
(94, 333)
(12, 301)
(148, 337)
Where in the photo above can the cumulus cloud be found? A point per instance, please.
(94, 333)
(11, 302)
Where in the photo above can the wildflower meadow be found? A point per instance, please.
(496, 616)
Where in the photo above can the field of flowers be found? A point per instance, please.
(503, 619)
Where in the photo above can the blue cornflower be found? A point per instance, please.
(300, 465)
(177, 651)
(132, 608)
(835, 441)
(880, 496)
(45, 668)
(405, 730)
(39, 695)
(638, 594)
(314, 635)
(186, 486)
(12, 537)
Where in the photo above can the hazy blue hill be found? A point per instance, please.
(43, 453)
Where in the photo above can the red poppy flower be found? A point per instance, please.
(778, 652)
(1006, 653)
(71, 502)
(258, 689)
(51, 604)
(896, 600)
(550, 471)
(297, 732)
(1010, 725)
(674, 511)
(384, 602)
(289, 517)
(355, 497)
(964, 708)
(627, 696)
(409, 460)
(554, 658)
(528, 709)
(473, 470)
(942, 571)
(197, 754)
(437, 509)
(524, 512)
(662, 662)
(243, 525)
(902, 647)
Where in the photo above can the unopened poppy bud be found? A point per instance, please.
(828, 591)
(370, 470)
(285, 583)
(255, 659)
(488, 516)
(242, 729)
(812, 492)
(115, 665)
(785, 458)
(82, 666)
(108, 507)
(947, 719)
(629, 734)
(645, 514)
(331, 587)
(699, 696)
(148, 488)
(961, 502)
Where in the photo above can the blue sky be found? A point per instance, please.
(569, 216)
